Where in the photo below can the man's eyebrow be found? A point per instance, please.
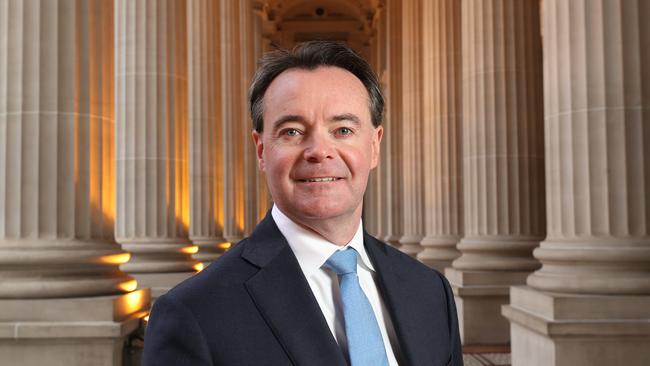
(287, 118)
(346, 117)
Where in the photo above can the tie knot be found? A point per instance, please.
(343, 262)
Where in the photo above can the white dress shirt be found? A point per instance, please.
(312, 251)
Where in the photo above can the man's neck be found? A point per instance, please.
(338, 230)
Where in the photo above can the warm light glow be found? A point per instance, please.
(146, 318)
(134, 301)
(94, 167)
(120, 258)
(190, 250)
(224, 246)
(198, 267)
(128, 286)
(184, 98)
(180, 123)
(108, 101)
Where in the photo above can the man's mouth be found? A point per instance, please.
(322, 179)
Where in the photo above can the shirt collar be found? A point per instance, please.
(311, 249)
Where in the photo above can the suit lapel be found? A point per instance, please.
(412, 318)
(283, 296)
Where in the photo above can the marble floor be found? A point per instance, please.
(486, 359)
(486, 355)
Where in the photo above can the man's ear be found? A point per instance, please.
(377, 134)
(259, 149)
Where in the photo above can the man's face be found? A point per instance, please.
(318, 145)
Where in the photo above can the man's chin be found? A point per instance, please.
(323, 212)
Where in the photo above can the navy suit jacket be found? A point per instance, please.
(253, 306)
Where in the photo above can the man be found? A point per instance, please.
(309, 286)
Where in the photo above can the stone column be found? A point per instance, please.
(503, 162)
(62, 294)
(245, 193)
(391, 141)
(255, 201)
(259, 46)
(442, 147)
(374, 209)
(205, 123)
(590, 302)
(151, 142)
(411, 154)
(233, 95)
(381, 173)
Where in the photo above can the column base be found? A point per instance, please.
(233, 239)
(438, 252)
(557, 329)
(210, 249)
(438, 265)
(410, 245)
(73, 331)
(160, 283)
(479, 296)
(392, 240)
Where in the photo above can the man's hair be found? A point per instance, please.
(309, 56)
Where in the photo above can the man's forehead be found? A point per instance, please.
(298, 75)
(297, 83)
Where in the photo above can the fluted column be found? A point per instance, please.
(374, 209)
(261, 46)
(381, 173)
(595, 273)
(205, 123)
(442, 158)
(392, 142)
(242, 43)
(411, 154)
(597, 151)
(57, 249)
(232, 93)
(503, 161)
(56, 213)
(151, 142)
(255, 201)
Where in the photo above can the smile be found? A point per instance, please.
(323, 179)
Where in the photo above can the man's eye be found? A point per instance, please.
(290, 132)
(344, 131)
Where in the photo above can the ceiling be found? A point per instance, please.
(287, 22)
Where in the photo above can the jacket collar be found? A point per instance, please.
(283, 296)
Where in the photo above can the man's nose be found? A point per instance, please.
(318, 148)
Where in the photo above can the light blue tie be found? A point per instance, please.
(365, 345)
